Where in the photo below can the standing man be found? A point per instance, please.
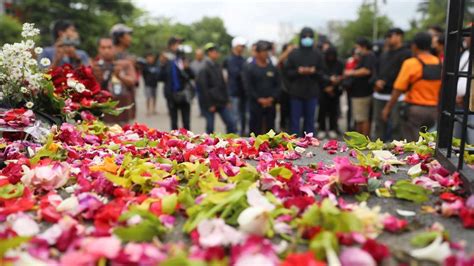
(361, 91)
(329, 107)
(304, 70)
(263, 87)
(122, 39)
(215, 97)
(177, 75)
(64, 50)
(421, 85)
(390, 63)
(115, 76)
(151, 72)
(233, 65)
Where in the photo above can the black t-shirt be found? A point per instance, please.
(391, 63)
(361, 86)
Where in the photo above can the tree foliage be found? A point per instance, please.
(10, 29)
(361, 27)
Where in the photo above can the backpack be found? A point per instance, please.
(430, 71)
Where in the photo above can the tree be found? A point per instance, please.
(361, 27)
(93, 18)
(11, 29)
(434, 12)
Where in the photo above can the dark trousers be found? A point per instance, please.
(419, 118)
(302, 108)
(328, 110)
(284, 111)
(390, 130)
(262, 119)
(185, 110)
(226, 116)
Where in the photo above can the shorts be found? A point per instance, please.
(150, 92)
(361, 108)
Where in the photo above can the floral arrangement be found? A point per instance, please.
(62, 92)
(133, 195)
(17, 118)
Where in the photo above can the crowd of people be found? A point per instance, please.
(392, 87)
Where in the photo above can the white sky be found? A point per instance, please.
(274, 20)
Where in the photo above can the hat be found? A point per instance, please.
(239, 41)
(261, 46)
(210, 46)
(397, 31)
(175, 39)
(120, 28)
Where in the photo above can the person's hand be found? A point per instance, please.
(302, 70)
(262, 101)
(97, 70)
(348, 73)
(460, 100)
(386, 113)
(212, 109)
(329, 90)
(379, 84)
(311, 70)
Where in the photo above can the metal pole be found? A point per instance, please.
(375, 24)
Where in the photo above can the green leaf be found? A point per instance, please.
(182, 260)
(322, 243)
(423, 239)
(123, 182)
(405, 190)
(363, 196)
(282, 172)
(10, 191)
(168, 203)
(9, 243)
(377, 145)
(142, 232)
(356, 140)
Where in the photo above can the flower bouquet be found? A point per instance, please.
(60, 94)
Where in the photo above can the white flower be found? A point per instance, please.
(32, 62)
(45, 61)
(23, 90)
(38, 50)
(29, 30)
(68, 205)
(436, 251)
(216, 232)
(29, 105)
(25, 226)
(255, 259)
(255, 219)
(80, 87)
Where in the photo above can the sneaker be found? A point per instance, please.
(321, 135)
(333, 134)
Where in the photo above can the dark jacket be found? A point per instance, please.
(234, 65)
(391, 63)
(212, 85)
(305, 86)
(151, 73)
(166, 75)
(262, 82)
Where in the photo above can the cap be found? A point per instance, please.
(120, 28)
(175, 39)
(397, 31)
(239, 41)
(261, 46)
(210, 46)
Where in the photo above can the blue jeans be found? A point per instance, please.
(240, 109)
(226, 116)
(305, 108)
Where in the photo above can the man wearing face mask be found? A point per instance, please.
(303, 70)
(64, 50)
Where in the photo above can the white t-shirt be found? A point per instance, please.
(463, 66)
